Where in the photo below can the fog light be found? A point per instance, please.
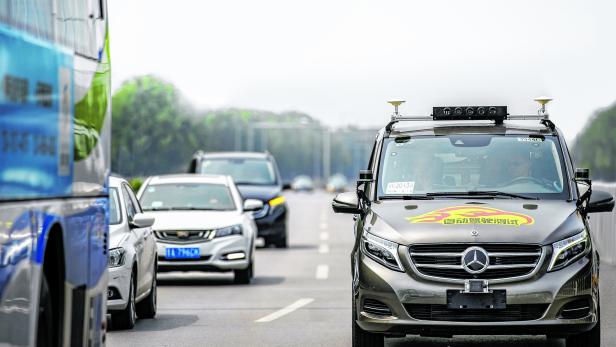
(235, 256)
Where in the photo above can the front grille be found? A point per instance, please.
(510, 314)
(444, 261)
(376, 307)
(183, 236)
(179, 260)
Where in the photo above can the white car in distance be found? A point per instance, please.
(131, 290)
(202, 224)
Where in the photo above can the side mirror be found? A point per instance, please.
(141, 220)
(252, 205)
(346, 203)
(600, 201)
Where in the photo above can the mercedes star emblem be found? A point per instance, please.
(475, 260)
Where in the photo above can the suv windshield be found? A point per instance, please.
(187, 196)
(458, 165)
(243, 170)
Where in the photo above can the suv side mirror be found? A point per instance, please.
(141, 220)
(252, 205)
(600, 201)
(346, 203)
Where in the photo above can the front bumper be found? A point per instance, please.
(212, 253)
(272, 221)
(403, 293)
(118, 287)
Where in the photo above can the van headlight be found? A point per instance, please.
(116, 257)
(381, 250)
(569, 250)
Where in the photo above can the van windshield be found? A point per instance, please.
(454, 165)
(247, 171)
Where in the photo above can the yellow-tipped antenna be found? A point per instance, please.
(395, 104)
(543, 100)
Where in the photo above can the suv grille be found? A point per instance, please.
(505, 260)
(510, 314)
(183, 236)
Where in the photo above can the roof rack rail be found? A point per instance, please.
(496, 113)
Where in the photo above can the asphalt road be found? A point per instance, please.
(300, 296)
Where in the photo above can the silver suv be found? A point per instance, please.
(473, 221)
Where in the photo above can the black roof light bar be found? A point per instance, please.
(496, 113)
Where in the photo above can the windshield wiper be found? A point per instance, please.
(157, 209)
(195, 209)
(489, 193)
(406, 197)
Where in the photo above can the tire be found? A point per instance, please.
(591, 338)
(126, 318)
(281, 242)
(147, 307)
(243, 276)
(44, 334)
(362, 338)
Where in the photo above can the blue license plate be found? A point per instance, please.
(182, 253)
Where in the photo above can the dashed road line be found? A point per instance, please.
(323, 248)
(323, 226)
(285, 311)
(322, 272)
(324, 236)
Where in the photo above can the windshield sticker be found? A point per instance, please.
(400, 188)
(530, 139)
(473, 215)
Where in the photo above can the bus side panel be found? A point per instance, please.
(17, 274)
(36, 123)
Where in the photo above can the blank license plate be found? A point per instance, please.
(182, 253)
(495, 300)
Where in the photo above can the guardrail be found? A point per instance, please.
(603, 226)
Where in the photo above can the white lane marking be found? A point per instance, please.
(323, 226)
(324, 236)
(322, 272)
(323, 248)
(285, 311)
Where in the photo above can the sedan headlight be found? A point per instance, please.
(116, 257)
(381, 250)
(569, 250)
(228, 231)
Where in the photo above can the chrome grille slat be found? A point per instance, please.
(183, 236)
(507, 262)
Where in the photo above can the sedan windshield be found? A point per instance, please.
(243, 170)
(474, 165)
(187, 196)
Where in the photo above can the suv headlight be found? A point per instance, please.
(381, 250)
(569, 250)
(228, 231)
(116, 257)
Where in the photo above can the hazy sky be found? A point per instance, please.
(340, 61)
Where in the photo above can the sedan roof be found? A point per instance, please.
(191, 178)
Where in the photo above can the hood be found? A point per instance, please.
(468, 221)
(117, 235)
(194, 220)
(264, 193)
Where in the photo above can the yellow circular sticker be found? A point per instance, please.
(473, 215)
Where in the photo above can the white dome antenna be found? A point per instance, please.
(543, 100)
(395, 103)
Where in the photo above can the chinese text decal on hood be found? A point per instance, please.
(473, 215)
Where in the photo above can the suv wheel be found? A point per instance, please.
(147, 307)
(243, 276)
(362, 338)
(587, 339)
(281, 242)
(126, 318)
(44, 335)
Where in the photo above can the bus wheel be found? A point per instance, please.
(44, 335)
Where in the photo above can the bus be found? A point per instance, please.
(55, 135)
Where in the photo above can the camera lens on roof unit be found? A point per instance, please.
(458, 111)
(447, 111)
(470, 111)
(481, 111)
(492, 111)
